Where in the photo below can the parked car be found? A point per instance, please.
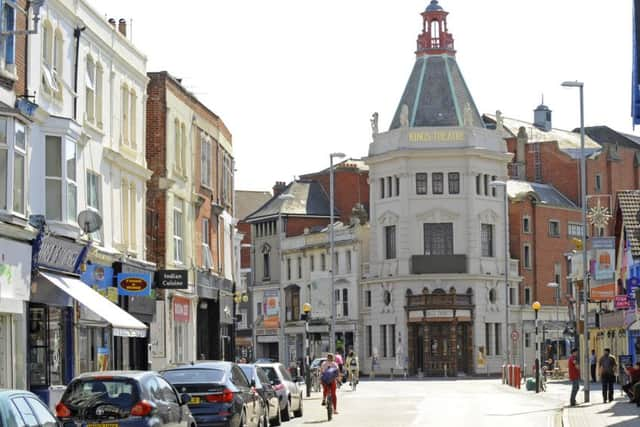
(23, 408)
(123, 399)
(258, 378)
(289, 392)
(220, 393)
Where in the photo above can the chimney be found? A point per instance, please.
(521, 159)
(278, 188)
(122, 27)
(112, 22)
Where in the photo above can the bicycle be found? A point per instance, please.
(354, 379)
(329, 401)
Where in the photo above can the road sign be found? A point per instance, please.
(515, 335)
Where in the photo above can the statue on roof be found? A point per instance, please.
(404, 116)
(374, 124)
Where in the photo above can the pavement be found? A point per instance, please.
(595, 413)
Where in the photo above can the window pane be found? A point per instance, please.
(454, 183)
(487, 240)
(4, 170)
(70, 158)
(437, 183)
(53, 162)
(18, 183)
(72, 202)
(421, 183)
(390, 242)
(20, 136)
(54, 199)
(438, 239)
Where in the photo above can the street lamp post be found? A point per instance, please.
(331, 251)
(306, 310)
(584, 361)
(536, 307)
(556, 286)
(503, 185)
(281, 235)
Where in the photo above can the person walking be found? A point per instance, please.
(574, 375)
(608, 367)
(329, 374)
(353, 366)
(593, 362)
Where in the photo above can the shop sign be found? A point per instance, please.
(438, 313)
(181, 309)
(621, 302)
(603, 292)
(98, 276)
(134, 284)
(62, 255)
(172, 279)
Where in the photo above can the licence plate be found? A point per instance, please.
(103, 425)
(195, 400)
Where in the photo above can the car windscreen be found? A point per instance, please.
(194, 376)
(271, 374)
(84, 396)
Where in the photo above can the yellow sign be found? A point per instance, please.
(437, 136)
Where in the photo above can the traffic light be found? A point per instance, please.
(577, 243)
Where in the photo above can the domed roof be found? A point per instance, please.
(434, 6)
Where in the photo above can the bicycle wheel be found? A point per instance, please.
(329, 406)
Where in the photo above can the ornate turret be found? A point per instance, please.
(436, 93)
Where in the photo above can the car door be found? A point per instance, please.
(250, 398)
(173, 403)
(154, 391)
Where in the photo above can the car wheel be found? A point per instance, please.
(277, 420)
(298, 413)
(285, 416)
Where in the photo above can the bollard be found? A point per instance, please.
(504, 376)
(518, 376)
(391, 373)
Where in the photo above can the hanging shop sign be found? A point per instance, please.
(621, 302)
(172, 279)
(271, 307)
(59, 254)
(134, 284)
(98, 276)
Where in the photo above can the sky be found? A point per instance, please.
(295, 80)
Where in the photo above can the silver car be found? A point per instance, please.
(289, 393)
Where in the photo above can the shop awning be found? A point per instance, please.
(123, 324)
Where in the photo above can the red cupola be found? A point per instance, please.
(435, 38)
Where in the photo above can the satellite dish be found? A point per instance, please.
(89, 220)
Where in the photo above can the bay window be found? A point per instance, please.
(61, 187)
(13, 173)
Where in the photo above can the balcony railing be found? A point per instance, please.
(438, 264)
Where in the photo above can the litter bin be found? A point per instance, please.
(531, 384)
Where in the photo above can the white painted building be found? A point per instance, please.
(434, 298)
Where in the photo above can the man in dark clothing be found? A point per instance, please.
(574, 375)
(634, 377)
(608, 367)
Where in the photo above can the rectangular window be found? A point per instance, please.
(367, 298)
(312, 262)
(8, 41)
(389, 186)
(437, 183)
(133, 100)
(345, 302)
(438, 239)
(299, 268)
(486, 235)
(512, 295)
(207, 259)
(124, 197)
(598, 183)
(557, 275)
(98, 95)
(486, 185)
(266, 268)
(526, 224)
(574, 230)
(259, 310)
(392, 340)
(383, 340)
(90, 90)
(421, 183)
(178, 236)
(526, 256)
(527, 340)
(323, 262)
(382, 188)
(13, 153)
(288, 268)
(94, 197)
(133, 212)
(454, 182)
(72, 185)
(19, 168)
(488, 329)
(390, 242)
(336, 262)
(125, 115)
(527, 296)
(478, 184)
(554, 228)
(369, 339)
(4, 175)
(348, 259)
(493, 189)
(53, 177)
(498, 338)
(397, 186)
(205, 156)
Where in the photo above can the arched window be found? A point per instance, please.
(425, 290)
(435, 33)
(439, 291)
(47, 40)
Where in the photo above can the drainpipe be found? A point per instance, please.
(76, 34)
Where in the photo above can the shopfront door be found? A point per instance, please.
(6, 369)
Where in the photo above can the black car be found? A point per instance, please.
(258, 378)
(221, 395)
(123, 399)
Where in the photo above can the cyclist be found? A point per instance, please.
(353, 367)
(329, 374)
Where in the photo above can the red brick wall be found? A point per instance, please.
(295, 225)
(245, 252)
(21, 51)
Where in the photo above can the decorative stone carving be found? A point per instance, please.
(488, 216)
(388, 218)
(437, 215)
(374, 124)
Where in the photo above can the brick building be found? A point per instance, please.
(190, 218)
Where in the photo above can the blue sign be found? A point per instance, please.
(98, 275)
(134, 284)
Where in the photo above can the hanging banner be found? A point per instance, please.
(603, 292)
(605, 264)
(271, 307)
(134, 284)
(621, 302)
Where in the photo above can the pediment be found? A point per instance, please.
(488, 216)
(438, 214)
(388, 218)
